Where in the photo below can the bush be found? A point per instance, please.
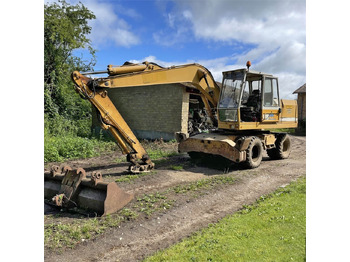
(60, 126)
(60, 148)
(50, 151)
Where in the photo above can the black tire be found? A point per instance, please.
(283, 147)
(254, 153)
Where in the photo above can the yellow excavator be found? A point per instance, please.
(244, 110)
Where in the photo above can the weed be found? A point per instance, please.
(60, 148)
(150, 203)
(204, 183)
(130, 178)
(158, 153)
(176, 168)
(128, 214)
(57, 235)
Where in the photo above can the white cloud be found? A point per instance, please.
(276, 29)
(108, 28)
(179, 30)
(288, 82)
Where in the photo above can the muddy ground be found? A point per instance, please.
(138, 238)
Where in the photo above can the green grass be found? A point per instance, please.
(156, 154)
(67, 139)
(132, 177)
(150, 203)
(176, 167)
(204, 184)
(273, 229)
(61, 148)
(58, 235)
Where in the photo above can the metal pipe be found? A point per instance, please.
(94, 73)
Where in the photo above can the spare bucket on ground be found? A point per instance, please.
(69, 188)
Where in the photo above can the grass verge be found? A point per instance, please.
(273, 229)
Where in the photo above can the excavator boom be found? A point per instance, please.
(96, 91)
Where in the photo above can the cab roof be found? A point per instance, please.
(249, 72)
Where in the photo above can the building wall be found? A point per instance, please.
(152, 112)
(302, 106)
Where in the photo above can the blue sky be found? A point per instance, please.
(219, 34)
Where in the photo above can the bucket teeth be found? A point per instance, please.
(67, 187)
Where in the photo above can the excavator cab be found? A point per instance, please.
(248, 97)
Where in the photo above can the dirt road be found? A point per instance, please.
(139, 238)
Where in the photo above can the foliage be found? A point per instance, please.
(57, 149)
(65, 30)
(273, 229)
(67, 116)
(69, 139)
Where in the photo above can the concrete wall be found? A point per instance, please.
(152, 112)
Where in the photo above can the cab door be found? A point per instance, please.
(270, 100)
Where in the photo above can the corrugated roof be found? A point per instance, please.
(301, 89)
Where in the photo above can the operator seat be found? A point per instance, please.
(254, 100)
(251, 111)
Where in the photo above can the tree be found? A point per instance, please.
(65, 30)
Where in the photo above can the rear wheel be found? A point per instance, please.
(254, 153)
(283, 147)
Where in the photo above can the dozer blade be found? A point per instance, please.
(215, 144)
(69, 188)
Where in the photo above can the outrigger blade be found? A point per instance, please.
(70, 188)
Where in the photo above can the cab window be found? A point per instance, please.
(271, 93)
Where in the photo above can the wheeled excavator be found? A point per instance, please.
(244, 110)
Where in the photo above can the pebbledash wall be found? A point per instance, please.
(152, 112)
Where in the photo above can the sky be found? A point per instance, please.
(221, 35)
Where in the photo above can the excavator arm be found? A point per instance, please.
(111, 120)
(96, 91)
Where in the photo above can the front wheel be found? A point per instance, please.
(254, 153)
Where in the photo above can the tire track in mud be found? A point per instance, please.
(137, 239)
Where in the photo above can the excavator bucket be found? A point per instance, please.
(69, 188)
